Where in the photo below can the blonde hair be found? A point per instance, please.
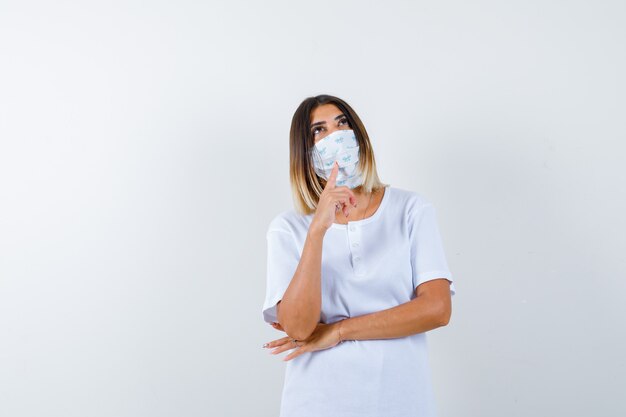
(306, 185)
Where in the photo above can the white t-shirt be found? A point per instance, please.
(368, 265)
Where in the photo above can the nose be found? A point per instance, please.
(330, 130)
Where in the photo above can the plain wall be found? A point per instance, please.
(144, 149)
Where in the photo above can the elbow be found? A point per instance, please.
(443, 317)
(299, 335)
(297, 329)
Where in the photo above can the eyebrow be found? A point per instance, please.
(322, 122)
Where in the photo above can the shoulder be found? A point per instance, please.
(289, 221)
(412, 202)
(414, 208)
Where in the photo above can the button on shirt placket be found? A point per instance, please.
(354, 240)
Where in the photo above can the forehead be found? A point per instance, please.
(325, 112)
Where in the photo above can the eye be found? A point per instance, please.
(343, 121)
(314, 131)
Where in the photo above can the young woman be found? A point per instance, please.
(355, 277)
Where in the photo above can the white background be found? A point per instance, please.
(144, 149)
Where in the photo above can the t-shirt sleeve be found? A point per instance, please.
(282, 261)
(428, 260)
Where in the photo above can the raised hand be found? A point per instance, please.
(332, 199)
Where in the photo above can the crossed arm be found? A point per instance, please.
(299, 310)
(430, 309)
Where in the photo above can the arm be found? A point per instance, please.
(429, 310)
(299, 309)
(298, 312)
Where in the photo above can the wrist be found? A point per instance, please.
(317, 232)
(340, 331)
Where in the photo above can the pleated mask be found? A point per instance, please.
(340, 146)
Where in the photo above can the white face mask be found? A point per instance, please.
(340, 146)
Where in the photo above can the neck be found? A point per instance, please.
(359, 191)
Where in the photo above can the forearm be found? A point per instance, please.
(416, 316)
(299, 309)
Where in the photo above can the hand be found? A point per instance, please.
(332, 199)
(323, 337)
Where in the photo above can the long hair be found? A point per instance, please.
(306, 185)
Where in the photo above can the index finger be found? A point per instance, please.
(330, 183)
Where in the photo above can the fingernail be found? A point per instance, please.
(265, 345)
